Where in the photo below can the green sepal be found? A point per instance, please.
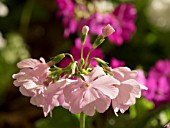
(55, 73)
(81, 62)
(73, 67)
(83, 39)
(99, 40)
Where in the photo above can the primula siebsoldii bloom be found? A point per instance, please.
(86, 84)
(93, 93)
(75, 15)
(158, 82)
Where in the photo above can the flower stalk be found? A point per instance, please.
(82, 120)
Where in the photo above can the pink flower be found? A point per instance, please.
(33, 76)
(129, 89)
(141, 77)
(93, 93)
(52, 97)
(33, 81)
(125, 13)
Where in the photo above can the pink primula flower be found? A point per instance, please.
(93, 93)
(33, 76)
(129, 89)
(52, 97)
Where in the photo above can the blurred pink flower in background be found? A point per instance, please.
(116, 63)
(75, 15)
(158, 82)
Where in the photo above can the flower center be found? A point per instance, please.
(87, 85)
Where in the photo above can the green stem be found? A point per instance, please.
(82, 48)
(68, 54)
(87, 58)
(82, 120)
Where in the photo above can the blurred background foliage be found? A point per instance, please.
(31, 29)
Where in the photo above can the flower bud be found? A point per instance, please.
(85, 30)
(107, 30)
(101, 62)
(58, 58)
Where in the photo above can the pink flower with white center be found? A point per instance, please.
(93, 93)
(129, 88)
(33, 76)
(52, 97)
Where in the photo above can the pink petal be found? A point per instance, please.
(89, 109)
(17, 84)
(102, 104)
(124, 93)
(75, 101)
(28, 63)
(30, 85)
(97, 72)
(90, 95)
(135, 87)
(106, 85)
(16, 76)
(26, 92)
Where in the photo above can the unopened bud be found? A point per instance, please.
(58, 58)
(107, 30)
(85, 30)
(101, 62)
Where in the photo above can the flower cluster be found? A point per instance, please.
(158, 82)
(97, 14)
(80, 86)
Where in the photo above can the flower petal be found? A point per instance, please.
(106, 85)
(90, 95)
(28, 63)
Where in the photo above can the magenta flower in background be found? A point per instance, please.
(126, 15)
(158, 82)
(76, 52)
(66, 11)
(75, 15)
(93, 93)
(116, 63)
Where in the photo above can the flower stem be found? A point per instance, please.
(82, 120)
(87, 58)
(82, 48)
(68, 54)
